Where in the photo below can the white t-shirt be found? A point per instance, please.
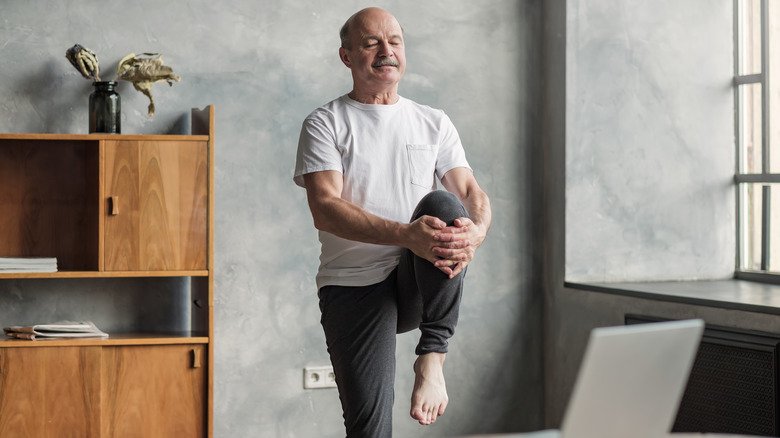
(388, 156)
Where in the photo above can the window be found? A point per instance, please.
(757, 117)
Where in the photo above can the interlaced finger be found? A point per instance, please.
(457, 244)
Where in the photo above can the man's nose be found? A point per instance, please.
(385, 49)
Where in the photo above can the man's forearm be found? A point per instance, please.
(477, 204)
(348, 221)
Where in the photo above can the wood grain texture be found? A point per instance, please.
(50, 392)
(111, 274)
(98, 137)
(48, 200)
(163, 202)
(152, 391)
(204, 122)
(116, 339)
(53, 201)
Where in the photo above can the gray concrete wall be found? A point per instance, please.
(265, 66)
(649, 140)
(649, 164)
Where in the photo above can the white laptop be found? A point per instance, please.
(631, 381)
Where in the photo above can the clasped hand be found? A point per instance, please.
(449, 248)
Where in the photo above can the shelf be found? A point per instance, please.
(103, 274)
(96, 137)
(135, 212)
(113, 340)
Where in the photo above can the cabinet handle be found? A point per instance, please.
(195, 355)
(113, 205)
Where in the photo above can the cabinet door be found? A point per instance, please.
(154, 391)
(156, 207)
(50, 392)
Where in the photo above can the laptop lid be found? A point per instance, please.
(631, 380)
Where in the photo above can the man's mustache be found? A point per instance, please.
(385, 61)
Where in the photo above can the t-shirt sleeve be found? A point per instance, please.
(317, 150)
(451, 153)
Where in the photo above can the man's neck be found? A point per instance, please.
(369, 98)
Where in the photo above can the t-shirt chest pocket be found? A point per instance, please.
(422, 163)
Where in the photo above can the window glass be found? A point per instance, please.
(750, 226)
(749, 37)
(758, 126)
(758, 199)
(774, 228)
(773, 46)
(750, 128)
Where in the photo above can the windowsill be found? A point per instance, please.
(733, 294)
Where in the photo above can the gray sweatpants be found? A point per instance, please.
(360, 325)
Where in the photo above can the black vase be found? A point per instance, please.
(105, 108)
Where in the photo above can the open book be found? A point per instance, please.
(64, 329)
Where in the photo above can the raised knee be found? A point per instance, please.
(437, 196)
(442, 204)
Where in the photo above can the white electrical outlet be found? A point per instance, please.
(319, 377)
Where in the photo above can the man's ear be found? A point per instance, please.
(345, 57)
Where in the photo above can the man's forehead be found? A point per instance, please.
(376, 24)
(377, 36)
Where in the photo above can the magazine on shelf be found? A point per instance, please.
(63, 329)
(28, 264)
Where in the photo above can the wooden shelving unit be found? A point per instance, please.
(111, 206)
(115, 339)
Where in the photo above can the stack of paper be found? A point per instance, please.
(28, 264)
(64, 329)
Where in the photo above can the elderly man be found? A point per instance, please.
(368, 161)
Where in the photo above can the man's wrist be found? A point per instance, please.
(482, 231)
(400, 234)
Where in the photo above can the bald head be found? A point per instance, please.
(372, 47)
(345, 34)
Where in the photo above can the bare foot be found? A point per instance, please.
(429, 398)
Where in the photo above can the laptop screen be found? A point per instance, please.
(631, 380)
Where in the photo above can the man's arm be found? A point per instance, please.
(342, 218)
(458, 243)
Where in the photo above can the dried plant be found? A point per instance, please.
(143, 71)
(140, 70)
(85, 61)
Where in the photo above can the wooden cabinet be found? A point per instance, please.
(153, 391)
(50, 392)
(120, 207)
(157, 194)
(109, 391)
